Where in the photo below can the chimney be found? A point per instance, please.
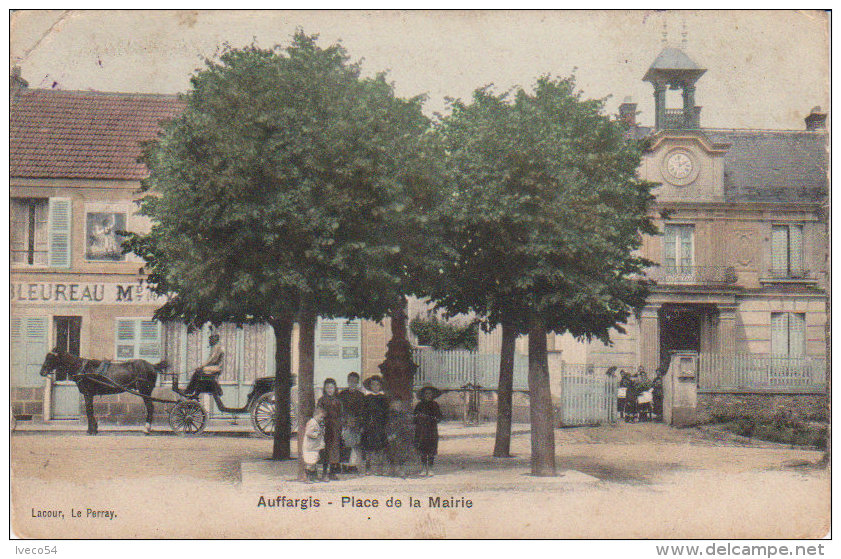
(16, 83)
(628, 112)
(816, 119)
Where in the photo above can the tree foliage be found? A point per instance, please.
(544, 212)
(279, 185)
(281, 192)
(440, 334)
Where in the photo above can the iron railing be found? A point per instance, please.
(689, 275)
(677, 119)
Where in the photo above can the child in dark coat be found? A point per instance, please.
(332, 407)
(374, 438)
(426, 416)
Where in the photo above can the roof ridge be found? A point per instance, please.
(774, 130)
(93, 92)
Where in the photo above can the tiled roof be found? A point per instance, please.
(774, 165)
(83, 135)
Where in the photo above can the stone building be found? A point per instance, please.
(742, 257)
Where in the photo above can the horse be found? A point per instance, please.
(98, 378)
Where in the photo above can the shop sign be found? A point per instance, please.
(136, 293)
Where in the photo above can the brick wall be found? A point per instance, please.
(761, 405)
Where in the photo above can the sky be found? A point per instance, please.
(764, 69)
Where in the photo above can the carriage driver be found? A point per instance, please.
(212, 366)
(214, 362)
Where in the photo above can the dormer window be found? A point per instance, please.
(787, 251)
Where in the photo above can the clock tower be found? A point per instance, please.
(682, 158)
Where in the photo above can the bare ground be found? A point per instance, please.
(652, 481)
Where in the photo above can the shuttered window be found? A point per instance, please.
(788, 334)
(60, 219)
(677, 248)
(138, 338)
(28, 231)
(29, 348)
(329, 331)
(350, 332)
(787, 250)
(338, 348)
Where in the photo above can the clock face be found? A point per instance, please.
(679, 165)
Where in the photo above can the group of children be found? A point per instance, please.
(639, 398)
(360, 428)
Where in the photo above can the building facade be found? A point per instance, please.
(741, 269)
(740, 278)
(74, 185)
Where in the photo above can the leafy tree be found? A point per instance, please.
(540, 227)
(440, 334)
(279, 193)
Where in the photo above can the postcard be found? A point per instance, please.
(420, 274)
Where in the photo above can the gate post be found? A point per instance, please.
(680, 389)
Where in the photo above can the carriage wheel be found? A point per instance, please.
(188, 418)
(263, 415)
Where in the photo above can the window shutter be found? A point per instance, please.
(779, 334)
(795, 248)
(796, 335)
(669, 247)
(686, 247)
(18, 230)
(32, 333)
(779, 250)
(126, 338)
(60, 217)
(350, 331)
(18, 350)
(329, 331)
(149, 347)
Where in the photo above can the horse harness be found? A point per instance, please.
(98, 376)
(100, 371)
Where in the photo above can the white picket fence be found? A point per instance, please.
(751, 372)
(588, 399)
(587, 395)
(457, 368)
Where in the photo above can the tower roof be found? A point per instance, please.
(673, 64)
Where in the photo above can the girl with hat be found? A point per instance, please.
(374, 438)
(427, 415)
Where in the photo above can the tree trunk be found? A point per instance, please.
(281, 447)
(541, 413)
(306, 380)
(398, 370)
(502, 446)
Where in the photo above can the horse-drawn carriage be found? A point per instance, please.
(187, 414)
(189, 417)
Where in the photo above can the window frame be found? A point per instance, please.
(679, 267)
(137, 338)
(788, 332)
(790, 272)
(30, 202)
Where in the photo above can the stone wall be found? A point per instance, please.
(759, 405)
(27, 401)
